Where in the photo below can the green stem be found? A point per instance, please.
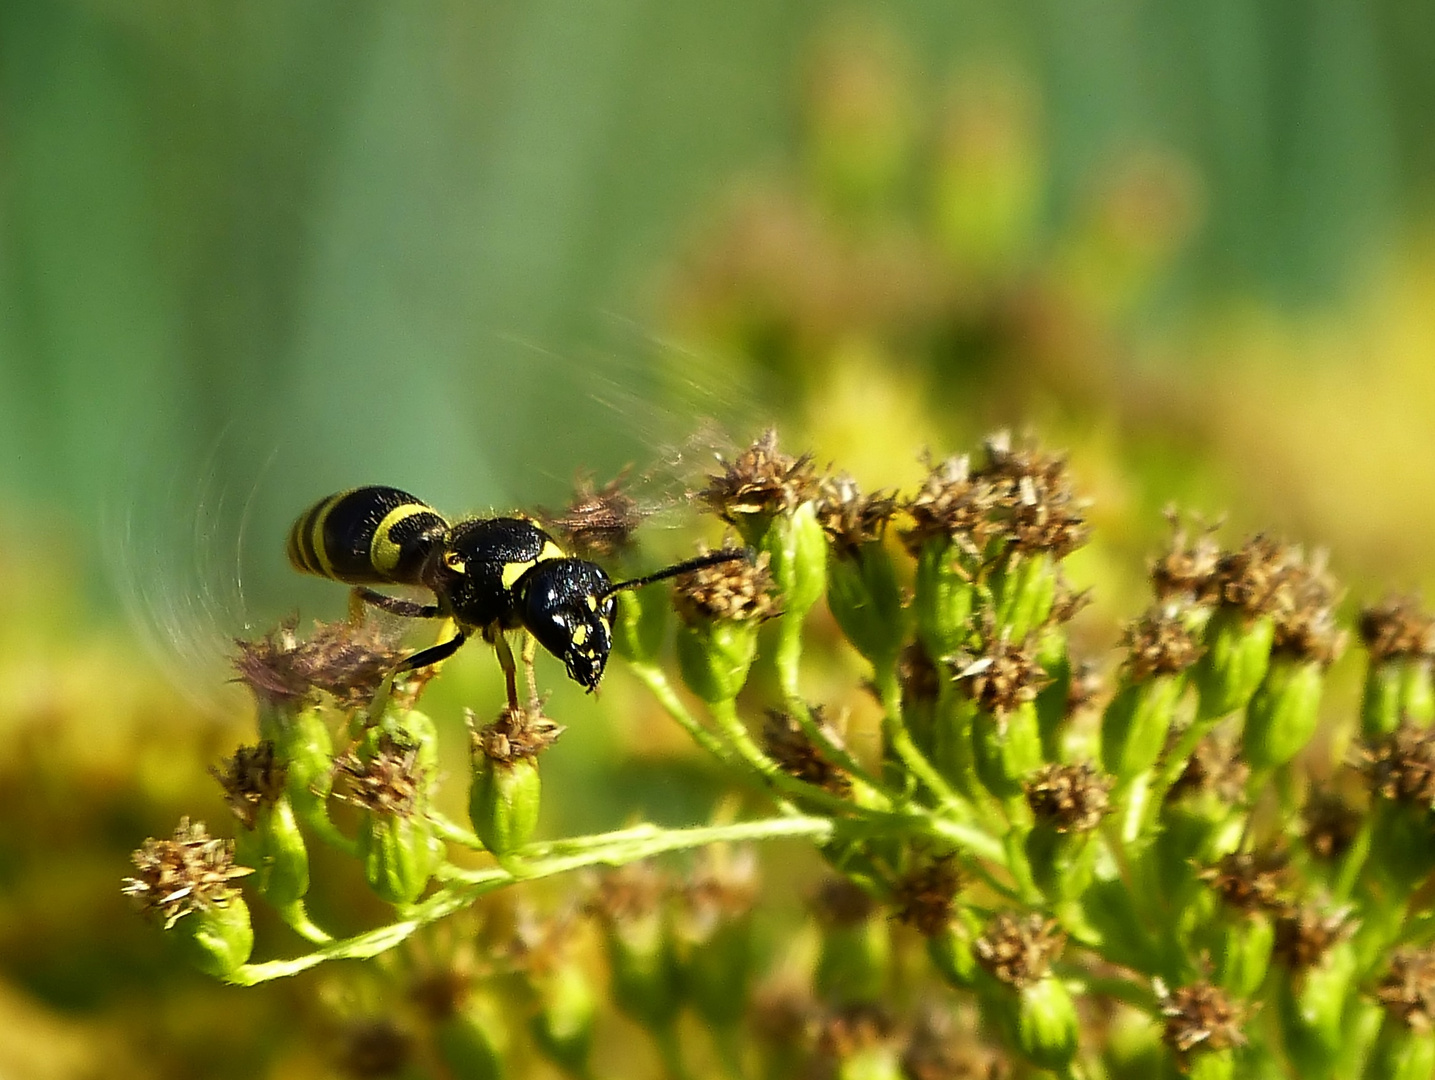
(656, 680)
(297, 918)
(452, 831)
(900, 740)
(788, 658)
(470, 885)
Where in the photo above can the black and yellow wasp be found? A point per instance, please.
(488, 575)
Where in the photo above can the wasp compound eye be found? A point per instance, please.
(567, 604)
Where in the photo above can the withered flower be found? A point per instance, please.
(739, 590)
(1331, 825)
(761, 480)
(1186, 572)
(338, 658)
(517, 733)
(1200, 1015)
(389, 782)
(1397, 628)
(599, 522)
(1019, 950)
(629, 893)
(1408, 989)
(253, 778)
(1002, 676)
(1305, 625)
(924, 897)
(1214, 768)
(839, 902)
(850, 518)
(1160, 642)
(787, 744)
(190, 872)
(1304, 934)
(1071, 798)
(955, 505)
(1401, 766)
(1248, 881)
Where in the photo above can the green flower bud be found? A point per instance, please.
(1401, 1053)
(473, 1041)
(1380, 701)
(1242, 953)
(1023, 591)
(563, 1025)
(942, 598)
(1211, 1064)
(1062, 863)
(217, 939)
(1046, 1024)
(1110, 913)
(1311, 1009)
(1006, 748)
(1135, 725)
(1202, 820)
(1133, 1048)
(274, 847)
(1417, 694)
(640, 624)
(866, 601)
(400, 854)
(1051, 699)
(1402, 848)
(797, 548)
(1283, 713)
(950, 951)
(718, 970)
(856, 946)
(503, 803)
(876, 1062)
(1238, 651)
(715, 657)
(644, 968)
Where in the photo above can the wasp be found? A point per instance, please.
(488, 575)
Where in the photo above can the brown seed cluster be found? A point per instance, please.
(722, 887)
(1019, 950)
(1401, 766)
(787, 744)
(855, 1029)
(1397, 628)
(1215, 769)
(628, 894)
(1331, 824)
(739, 591)
(840, 902)
(387, 782)
(599, 522)
(1160, 643)
(1408, 989)
(337, 658)
(1201, 1016)
(516, 734)
(1305, 625)
(1004, 676)
(941, 1048)
(1248, 881)
(191, 871)
(1253, 576)
(1020, 495)
(1304, 934)
(251, 779)
(850, 518)
(1184, 574)
(760, 481)
(924, 897)
(1070, 798)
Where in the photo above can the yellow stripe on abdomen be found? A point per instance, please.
(384, 554)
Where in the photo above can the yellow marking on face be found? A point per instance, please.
(580, 634)
(454, 562)
(316, 537)
(384, 554)
(513, 571)
(592, 602)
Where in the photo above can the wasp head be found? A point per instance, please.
(566, 604)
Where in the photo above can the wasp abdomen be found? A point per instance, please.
(367, 536)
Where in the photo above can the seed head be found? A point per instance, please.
(1213, 768)
(739, 590)
(340, 659)
(1305, 626)
(1246, 881)
(788, 745)
(517, 733)
(374, 1047)
(1408, 989)
(1186, 572)
(1331, 825)
(1304, 934)
(942, 1048)
(1071, 798)
(252, 778)
(189, 872)
(839, 902)
(628, 894)
(850, 518)
(761, 480)
(1039, 509)
(954, 504)
(1200, 1015)
(1396, 628)
(1401, 766)
(1019, 950)
(1002, 677)
(598, 522)
(1160, 643)
(722, 886)
(851, 1030)
(388, 782)
(924, 897)
(1255, 576)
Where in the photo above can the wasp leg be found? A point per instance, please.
(510, 670)
(530, 650)
(392, 604)
(421, 659)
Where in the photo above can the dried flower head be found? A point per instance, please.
(1086, 689)
(924, 897)
(1397, 628)
(1160, 643)
(1401, 766)
(1002, 677)
(1215, 769)
(1331, 824)
(760, 481)
(1019, 950)
(1408, 989)
(191, 871)
(1304, 934)
(1254, 577)
(1071, 798)
(252, 778)
(787, 743)
(840, 902)
(852, 1030)
(346, 661)
(918, 675)
(517, 733)
(598, 522)
(1039, 510)
(783, 1017)
(1186, 572)
(941, 1047)
(374, 1047)
(1200, 1015)
(1305, 625)
(722, 886)
(1248, 881)
(850, 518)
(739, 590)
(955, 505)
(387, 782)
(628, 894)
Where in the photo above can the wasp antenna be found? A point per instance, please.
(712, 558)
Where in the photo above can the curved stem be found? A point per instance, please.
(656, 680)
(900, 740)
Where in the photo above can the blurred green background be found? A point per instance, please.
(252, 253)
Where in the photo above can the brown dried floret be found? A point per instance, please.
(1200, 1015)
(1331, 825)
(1003, 676)
(1248, 881)
(760, 481)
(1214, 768)
(1070, 798)
(722, 886)
(1253, 578)
(349, 662)
(738, 590)
(850, 518)
(1186, 572)
(1304, 934)
(941, 1047)
(1305, 626)
(598, 522)
(1086, 688)
(1019, 950)
(1040, 510)
(628, 893)
(924, 897)
(852, 1030)
(1160, 642)
(374, 1047)
(788, 744)
(1408, 989)
(1397, 628)
(252, 778)
(840, 902)
(917, 675)
(387, 782)
(783, 1017)
(955, 505)
(189, 872)
(517, 733)
(1401, 765)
